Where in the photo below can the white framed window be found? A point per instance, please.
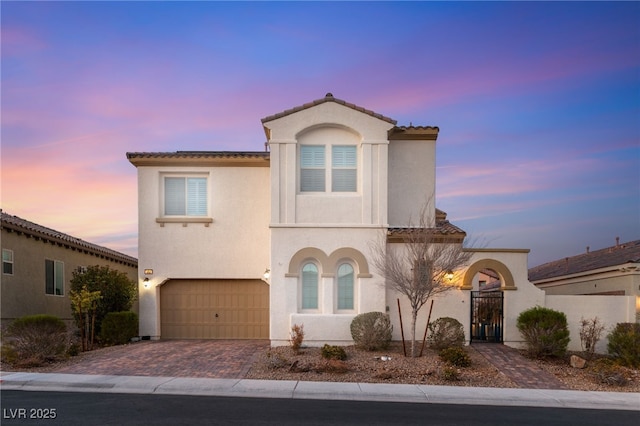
(312, 168)
(345, 287)
(309, 286)
(54, 277)
(185, 196)
(7, 262)
(344, 170)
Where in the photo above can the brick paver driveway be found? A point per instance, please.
(171, 358)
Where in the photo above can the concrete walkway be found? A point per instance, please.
(319, 390)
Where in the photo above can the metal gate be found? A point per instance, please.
(486, 316)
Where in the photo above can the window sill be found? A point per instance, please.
(185, 221)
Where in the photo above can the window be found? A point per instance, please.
(7, 262)
(185, 196)
(344, 172)
(54, 277)
(312, 172)
(309, 286)
(345, 286)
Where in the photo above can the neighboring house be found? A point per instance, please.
(613, 270)
(247, 244)
(37, 267)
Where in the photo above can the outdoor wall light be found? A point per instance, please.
(267, 273)
(148, 271)
(146, 282)
(449, 275)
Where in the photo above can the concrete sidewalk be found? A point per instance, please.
(320, 390)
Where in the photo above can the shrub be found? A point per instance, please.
(333, 352)
(117, 291)
(590, 332)
(456, 356)
(34, 340)
(450, 374)
(297, 336)
(119, 327)
(445, 332)
(371, 331)
(606, 371)
(275, 361)
(545, 332)
(624, 344)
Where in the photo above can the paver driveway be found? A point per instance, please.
(172, 358)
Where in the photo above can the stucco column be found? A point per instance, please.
(327, 295)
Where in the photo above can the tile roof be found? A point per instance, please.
(619, 254)
(443, 229)
(202, 158)
(328, 98)
(200, 154)
(19, 225)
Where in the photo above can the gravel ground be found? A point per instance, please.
(368, 367)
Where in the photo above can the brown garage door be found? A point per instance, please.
(214, 309)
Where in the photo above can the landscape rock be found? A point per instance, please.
(577, 362)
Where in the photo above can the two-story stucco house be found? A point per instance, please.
(247, 244)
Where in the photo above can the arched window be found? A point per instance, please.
(345, 286)
(309, 286)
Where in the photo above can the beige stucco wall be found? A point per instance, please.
(234, 245)
(610, 310)
(23, 293)
(412, 181)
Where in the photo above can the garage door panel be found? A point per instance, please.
(188, 309)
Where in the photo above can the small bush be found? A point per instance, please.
(333, 352)
(545, 332)
(119, 327)
(371, 331)
(34, 340)
(590, 332)
(450, 374)
(456, 356)
(445, 333)
(606, 371)
(297, 336)
(624, 344)
(276, 361)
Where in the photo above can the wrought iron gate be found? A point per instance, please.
(486, 316)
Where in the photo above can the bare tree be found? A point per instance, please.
(419, 267)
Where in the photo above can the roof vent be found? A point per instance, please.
(329, 95)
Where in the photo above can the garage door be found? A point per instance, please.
(214, 309)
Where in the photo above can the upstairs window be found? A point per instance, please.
(312, 168)
(185, 196)
(344, 171)
(7, 262)
(54, 277)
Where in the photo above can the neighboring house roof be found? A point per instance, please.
(328, 98)
(619, 254)
(200, 158)
(33, 230)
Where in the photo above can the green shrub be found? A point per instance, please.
(624, 344)
(35, 339)
(371, 331)
(606, 371)
(445, 333)
(119, 327)
(456, 356)
(333, 352)
(450, 374)
(545, 332)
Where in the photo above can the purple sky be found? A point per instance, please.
(538, 104)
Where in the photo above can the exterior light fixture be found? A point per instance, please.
(146, 282)
(267, 274)
(148, 271)
(449, 275)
